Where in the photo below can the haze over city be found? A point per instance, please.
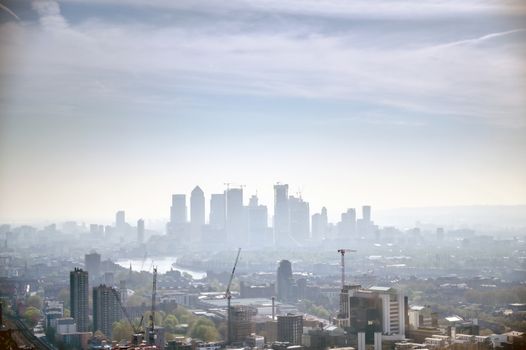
(262, 175)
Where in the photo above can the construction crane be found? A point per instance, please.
(151, 333)
(137, 332)
(342, 252)
(228, 297)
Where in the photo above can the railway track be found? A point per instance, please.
(24, 337)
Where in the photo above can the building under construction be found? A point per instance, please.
(242, 325)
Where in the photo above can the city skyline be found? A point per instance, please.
(396, 105)
(263, 174)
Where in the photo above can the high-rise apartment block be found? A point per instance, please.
(106, 309)
(78, 293)
(284, 281)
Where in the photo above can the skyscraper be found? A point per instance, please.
(365, 226)
(257, 222)
(324, 220)
(197, 213)
(366, 213)
(347, 225)
(217, 211)
(234, 216)
(178, 209)
(178, 219)
(320, 224)
(316, 229)
(120, 220)
(290, 328)
(299, 219)
(281, 214)
(140, 231)
(92, 264)
(106, 309)
(284, 281)
(78, 294)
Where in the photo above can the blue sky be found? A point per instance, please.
(111, 105)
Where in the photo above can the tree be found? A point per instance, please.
(121, 330)
(63, 296)
(170, 322)
(35, 301)
(32, 315)
(183, 315)
(158, 318)
(204, 329)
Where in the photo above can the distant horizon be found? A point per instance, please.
(384, 214)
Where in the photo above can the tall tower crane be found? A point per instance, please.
(137, 332)
(228, 297)
(342, 251)
(151, 333)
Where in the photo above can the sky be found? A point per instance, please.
(108, 104)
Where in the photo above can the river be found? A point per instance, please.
(164, 264)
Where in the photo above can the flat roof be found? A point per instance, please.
(380, 289)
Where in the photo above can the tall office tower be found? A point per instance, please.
(347, 225)
(178, 209)
(290, 328)
(197, 213)
(234, 216)
(106, 309)
(217, 211)
(393, 311)
(316, 228)
(92, 264)
(299, 219)
(364, 225)
(257, 222)
(366, 213)
(324, 220)
(78, 297)
(120, 220)
(281, 214)
(178, 219)
(140, 231)
(284, 281)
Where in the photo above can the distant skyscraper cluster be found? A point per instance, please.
(231, 221)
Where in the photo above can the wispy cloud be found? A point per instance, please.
(145, 62)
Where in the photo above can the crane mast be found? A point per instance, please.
(137, 333)
(342, 252)
(151, 335)
(229, 296)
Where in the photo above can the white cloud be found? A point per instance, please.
(96, 59)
